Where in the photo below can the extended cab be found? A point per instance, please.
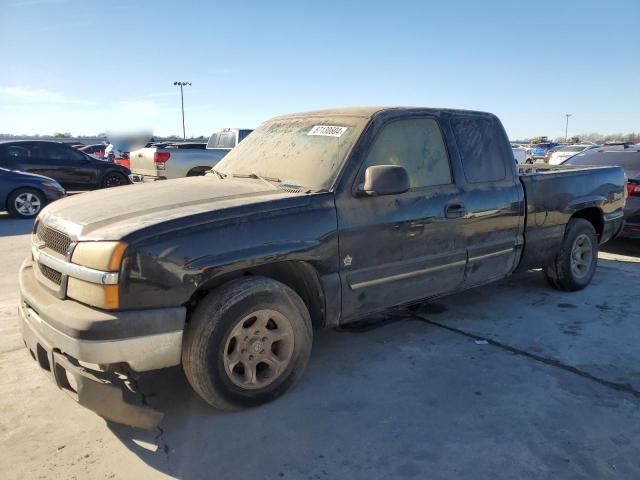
(183, 159)
(315, 220)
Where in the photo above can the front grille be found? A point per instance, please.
(53, 239)
(50, 274)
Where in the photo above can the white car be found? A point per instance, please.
(563, 152)
(183, 159)
(521, 154)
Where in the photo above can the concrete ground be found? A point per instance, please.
(511, 380)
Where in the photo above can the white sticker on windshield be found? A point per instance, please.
(327, 131)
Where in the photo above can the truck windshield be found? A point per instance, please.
(307, 151)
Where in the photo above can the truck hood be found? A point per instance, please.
(114, 213)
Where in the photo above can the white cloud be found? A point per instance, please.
(33, 94)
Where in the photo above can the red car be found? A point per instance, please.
(94, 150)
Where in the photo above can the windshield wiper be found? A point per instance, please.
(268, 180)
(220, 175)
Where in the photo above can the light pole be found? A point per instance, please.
(566, 126)
(182, 85)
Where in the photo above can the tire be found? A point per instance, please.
(198, 171)
(114, 179)
(25, 203)
(211, 343)
(579, 247)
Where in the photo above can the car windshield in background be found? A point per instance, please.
(298, 150)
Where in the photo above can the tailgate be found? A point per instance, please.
(143, 161)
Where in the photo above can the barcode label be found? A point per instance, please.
(327, 131)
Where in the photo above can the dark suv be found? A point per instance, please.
(74, 170)
(627, 156)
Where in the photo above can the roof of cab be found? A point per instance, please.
(368, 112)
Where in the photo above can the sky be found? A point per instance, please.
(89, 66)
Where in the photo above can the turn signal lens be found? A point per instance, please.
(97, 295)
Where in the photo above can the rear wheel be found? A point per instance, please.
(114, 179)
(25, 203)
(247, 343)
(575, 264)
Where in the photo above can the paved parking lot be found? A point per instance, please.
(512, 380)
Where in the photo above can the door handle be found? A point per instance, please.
(454, 210)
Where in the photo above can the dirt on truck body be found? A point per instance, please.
(315, 220)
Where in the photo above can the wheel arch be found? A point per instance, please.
(110, 171)
(25, 187)
(594, 216)
(193, 171)
(300, 276)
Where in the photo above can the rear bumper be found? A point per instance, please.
(613, 225)
(140, 178)
(631, 230)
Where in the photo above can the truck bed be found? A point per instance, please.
(554, 192)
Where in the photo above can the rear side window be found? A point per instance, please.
(417, 145)
(11, 152)
(10, 155)
(243, 134)
(480, 142)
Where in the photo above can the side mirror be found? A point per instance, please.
(385, 180)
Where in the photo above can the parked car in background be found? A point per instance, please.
(539, 150)
(73, 169)
(560, 153)
(520, 154)
(317, 219)
(627, 156)
(174, 160)
(23, 195)
(96, 150)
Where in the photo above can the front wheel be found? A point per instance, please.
(25, 203)
(247, 343)
(114, 179)
(575, 264)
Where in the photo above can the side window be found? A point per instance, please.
(418, 146)
(75, 154)
(480, 142)
(227, 140)
(243, 134)
(58, 152)
(12, 153)
(53, 151)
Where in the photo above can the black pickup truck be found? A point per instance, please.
(315, 220)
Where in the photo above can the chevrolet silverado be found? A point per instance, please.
(315, 220)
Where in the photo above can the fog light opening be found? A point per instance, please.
(72, 383)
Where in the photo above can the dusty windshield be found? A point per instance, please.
(304, 151)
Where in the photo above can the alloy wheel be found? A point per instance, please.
(258, 349)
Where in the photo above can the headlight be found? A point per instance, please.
(57, 186)
(103, 257)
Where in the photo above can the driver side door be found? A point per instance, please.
(399, 248)
(72, 169)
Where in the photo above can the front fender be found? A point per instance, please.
(167, 270)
